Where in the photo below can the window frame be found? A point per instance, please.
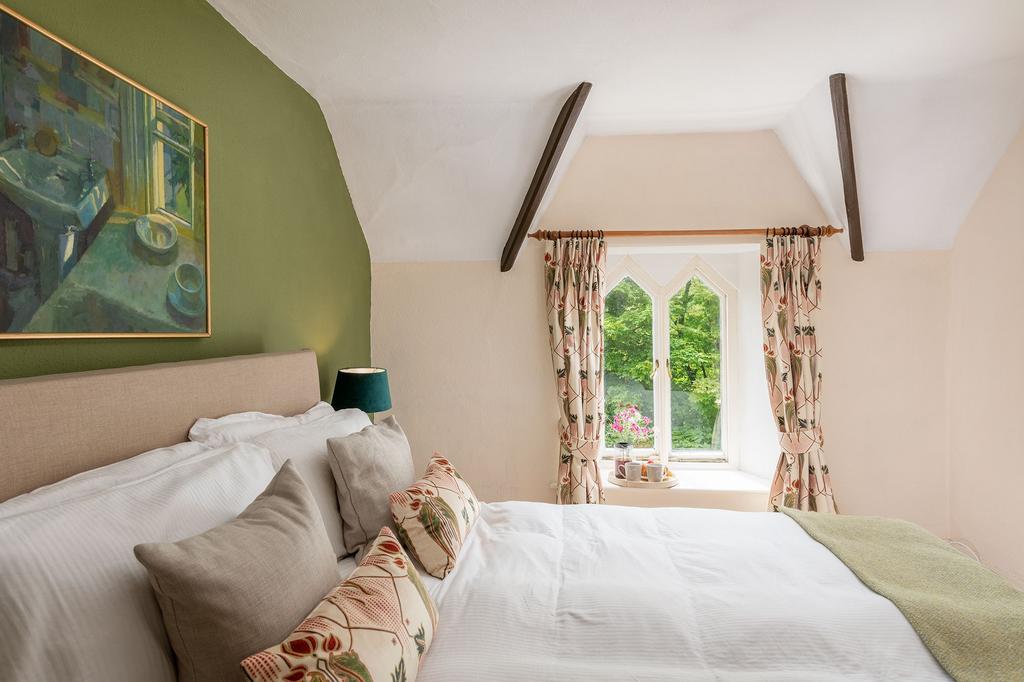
(154, 139)
(728, 456)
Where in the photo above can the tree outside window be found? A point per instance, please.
(664, 355)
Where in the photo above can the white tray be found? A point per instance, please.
(667, 483)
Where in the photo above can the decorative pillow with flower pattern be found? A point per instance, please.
(377, 625)
(433, 516)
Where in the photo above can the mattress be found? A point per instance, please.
(548, 592)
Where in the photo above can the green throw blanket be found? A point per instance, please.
(969, 618)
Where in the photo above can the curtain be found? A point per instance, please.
(574, 277)
(790, 298)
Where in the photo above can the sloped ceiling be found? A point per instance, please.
(439, 110)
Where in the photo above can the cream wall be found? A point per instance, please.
(883, 329)
(469, 367)
(467, 352)
(664, 182)
(987, 371)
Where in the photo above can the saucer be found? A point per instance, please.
(183, 305)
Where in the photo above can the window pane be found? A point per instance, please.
(173, 132)
(695, 366)
(173, 124)
(177, 177)
(628, 363)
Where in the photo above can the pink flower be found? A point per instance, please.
(630, 422)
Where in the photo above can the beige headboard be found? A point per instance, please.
(55, 426)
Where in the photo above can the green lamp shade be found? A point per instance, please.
(365, 388)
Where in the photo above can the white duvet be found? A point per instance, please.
(546, 592)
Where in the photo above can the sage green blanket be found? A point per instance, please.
(969, 618)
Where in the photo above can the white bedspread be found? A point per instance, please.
(546, 592)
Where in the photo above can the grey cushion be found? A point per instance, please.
(242, 587)
(368, 466)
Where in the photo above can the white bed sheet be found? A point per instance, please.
(547, 592)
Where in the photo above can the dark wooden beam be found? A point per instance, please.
(542, 176)
(841, 113)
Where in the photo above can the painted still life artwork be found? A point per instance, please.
(103, 202)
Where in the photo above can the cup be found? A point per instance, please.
(633, 471)
(189, 279)
(655, 472)
(620, 466)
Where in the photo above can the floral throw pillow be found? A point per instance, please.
(377, 625)
(434, 515)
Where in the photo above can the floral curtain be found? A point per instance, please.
(790, 298)
(574, 276)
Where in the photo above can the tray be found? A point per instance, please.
(667, 483)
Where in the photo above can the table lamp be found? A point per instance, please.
(365, 388)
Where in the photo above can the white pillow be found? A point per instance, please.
(75, 603)
(306, 447)
(100, 479)
(244, 426)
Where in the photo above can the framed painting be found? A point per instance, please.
(104, 198)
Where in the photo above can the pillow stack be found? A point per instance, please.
(252, 589)
(258, 583)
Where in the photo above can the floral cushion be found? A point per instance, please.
(376, 625)
(434, 515)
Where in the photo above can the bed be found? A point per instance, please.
(548, 592)
(540, 591)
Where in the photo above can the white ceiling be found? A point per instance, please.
(439, 110)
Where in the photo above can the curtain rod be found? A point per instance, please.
(802, 231)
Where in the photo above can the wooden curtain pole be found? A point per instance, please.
(802, 231)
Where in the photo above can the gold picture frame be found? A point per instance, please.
(128, 214)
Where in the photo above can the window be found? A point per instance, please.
(172, 155)
(163, 162)
(628, 361)
(695, 367)
(666, 363)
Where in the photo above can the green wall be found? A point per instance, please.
(290, 268)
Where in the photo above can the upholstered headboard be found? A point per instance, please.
(55, 426)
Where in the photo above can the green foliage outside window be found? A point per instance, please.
(173, 135)
(694, 361)
(628, 356)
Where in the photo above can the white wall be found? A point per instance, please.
(987, 371)
(467, 350)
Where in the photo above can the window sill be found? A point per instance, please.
(709, 488)
(717, 480)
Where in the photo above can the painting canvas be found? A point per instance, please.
(103, 198)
